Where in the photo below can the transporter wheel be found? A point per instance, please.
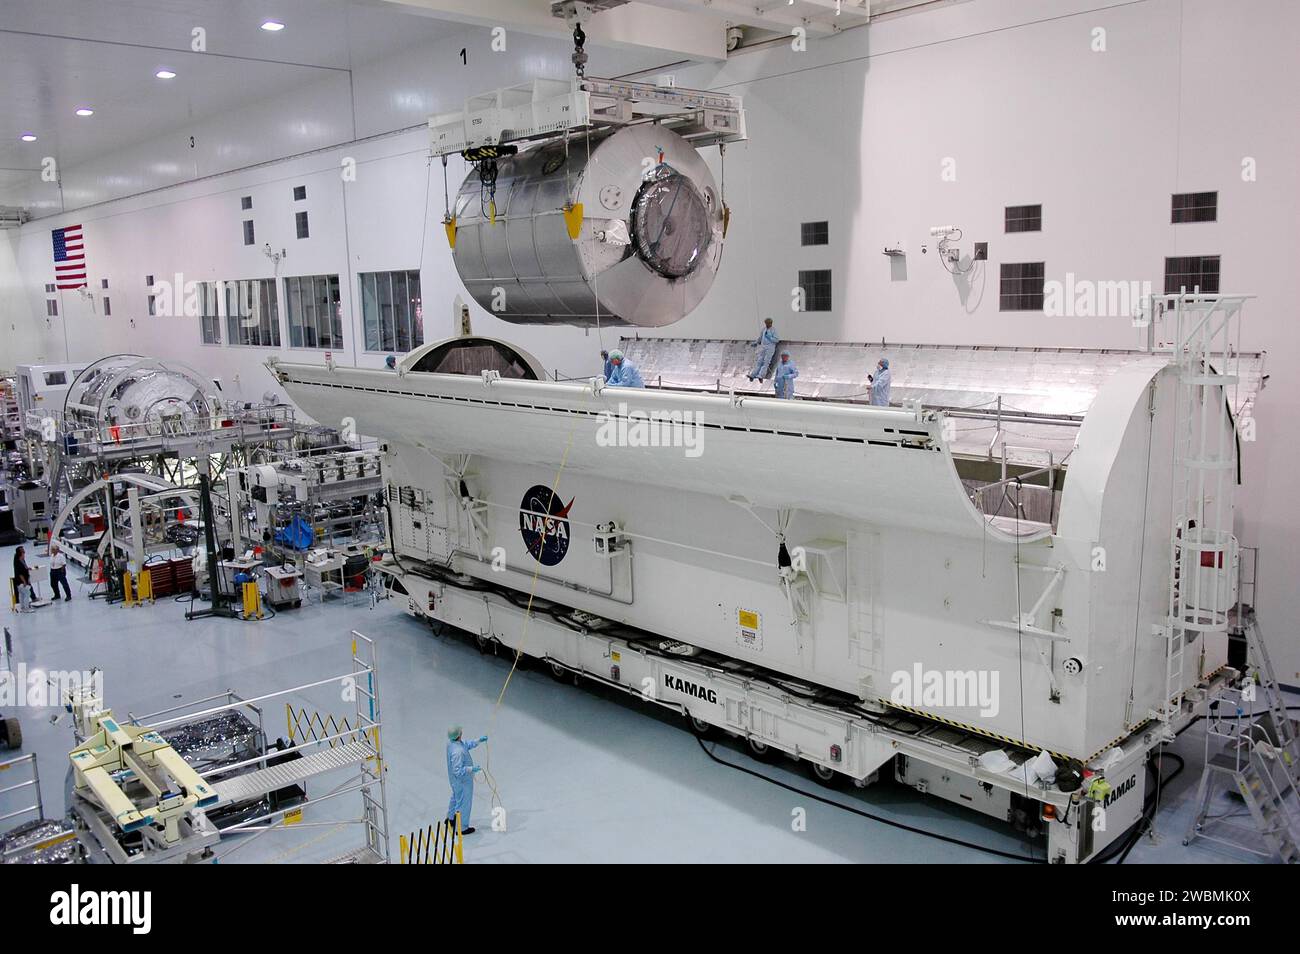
(559, 673)
(760, 749)
(825, 776)
(699, 726)
(11, 734)
(484, 644)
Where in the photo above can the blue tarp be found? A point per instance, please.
(298, 535)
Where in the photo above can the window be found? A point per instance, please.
(49, 289)
(148, 281)
(391, 311)
(108, 308)
(814, 233)
(1195, 207)
(312, 306)
(210, 310)
(1024, 218)
(252, 313)
(245, 202)
(1194, 273)
(248, 232)
(1022, 286)
(299, 193)
(103, 283)
(51, 308)
(816, 287)
(300, 221)
(55, 378)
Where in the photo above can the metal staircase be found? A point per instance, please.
(1250, 764)
(1283, 738)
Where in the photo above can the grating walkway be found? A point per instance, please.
(255, 784)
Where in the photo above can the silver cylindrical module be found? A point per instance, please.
(649, 222)
(129, 389)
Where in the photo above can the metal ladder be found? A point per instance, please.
(1205, 331)
(1276, 817)
(1284, 739)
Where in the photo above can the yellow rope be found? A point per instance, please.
(523, 637)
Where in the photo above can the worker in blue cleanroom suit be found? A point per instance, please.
(625, 373)
(609, 366)
(786, 372)
(391, 362)
(880, 383)
(460, 773)
(766, 345)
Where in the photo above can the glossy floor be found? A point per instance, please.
(584, 774)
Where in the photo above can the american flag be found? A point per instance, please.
(69, 257)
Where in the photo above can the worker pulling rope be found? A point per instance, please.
(496, 801)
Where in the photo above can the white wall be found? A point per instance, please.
(853, 131)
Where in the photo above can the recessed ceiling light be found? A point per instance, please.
(27, 137)
(84, 111)
(272, 26)
(165, 74)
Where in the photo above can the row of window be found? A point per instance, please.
(1184, 207)
(249, 311)
(1022, 283)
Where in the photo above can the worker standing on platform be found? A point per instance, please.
(880, 382)
(625, 373)
(786, 372)
(460, 773)
(766, 345)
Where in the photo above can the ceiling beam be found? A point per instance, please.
(858, 10)
(685, 32)
(740, 12)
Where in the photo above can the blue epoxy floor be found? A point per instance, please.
(585, 774)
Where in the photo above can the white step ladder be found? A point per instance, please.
(1252, 766)
(1275, 815)
(1283, 738)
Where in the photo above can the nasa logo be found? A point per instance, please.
(544, 525)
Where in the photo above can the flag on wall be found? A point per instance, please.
(69, 257)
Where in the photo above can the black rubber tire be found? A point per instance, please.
(484, 644)
(558, 672)
(701, 729)
(825, 776)
(760, 750)
(13, 734)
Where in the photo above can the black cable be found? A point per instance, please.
(876, 818)
(1124, 844)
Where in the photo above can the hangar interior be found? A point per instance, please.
(583, 431)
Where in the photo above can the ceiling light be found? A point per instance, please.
(85, 111)
(165, 74)
(27, 137)
(272, 26)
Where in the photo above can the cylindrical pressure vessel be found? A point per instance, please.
(149, 393)
(648, 218)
